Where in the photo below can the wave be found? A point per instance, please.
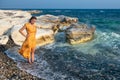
(104, 38)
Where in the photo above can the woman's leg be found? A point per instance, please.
(29, 60)
(33, 51)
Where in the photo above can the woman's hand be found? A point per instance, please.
(27, 35)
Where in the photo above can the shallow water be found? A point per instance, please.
(97, 59)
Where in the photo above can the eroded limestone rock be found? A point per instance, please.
(47, 26)
(43, 36)
(79, 34)
(55, 22)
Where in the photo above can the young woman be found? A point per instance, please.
(28, 47)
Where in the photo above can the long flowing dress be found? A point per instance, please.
(30, 41)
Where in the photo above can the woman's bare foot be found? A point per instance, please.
(32, 60)
(29, 60)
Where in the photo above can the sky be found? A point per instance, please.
(61, 4)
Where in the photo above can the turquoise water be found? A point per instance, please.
(94, 60)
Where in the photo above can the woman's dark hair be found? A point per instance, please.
(33, 17)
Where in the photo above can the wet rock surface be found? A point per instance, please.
(81, 66)
(9, 69)
(67, 63)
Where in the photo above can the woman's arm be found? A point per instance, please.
(21, 31)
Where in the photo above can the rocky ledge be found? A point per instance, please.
(47, 26)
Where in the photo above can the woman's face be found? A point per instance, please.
(33, 21)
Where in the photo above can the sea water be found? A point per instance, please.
(98, 59)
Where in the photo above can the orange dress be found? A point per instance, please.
(30, 41)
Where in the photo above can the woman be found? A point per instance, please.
(28, 47)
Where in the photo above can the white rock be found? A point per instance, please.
(3, 39)
(9, 18)
(57, 19)
(45, 25)
(4, 26)
(43, 36)
(67, 19)
(78, 34)
(34, 11)
(16, 36)
(55, 23)
(42, 32)
(48, 18)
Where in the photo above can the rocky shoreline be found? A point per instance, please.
(9, 69)
(48, 26)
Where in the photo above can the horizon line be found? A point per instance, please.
(59, 8)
